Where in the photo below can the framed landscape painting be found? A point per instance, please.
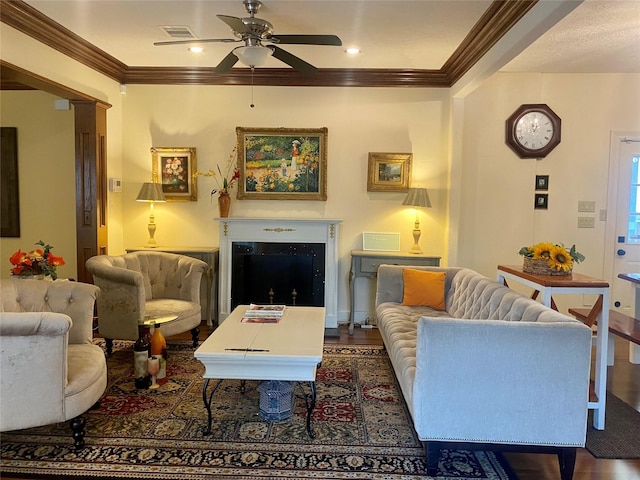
(282, 163)
(389, 172)
(173, 167)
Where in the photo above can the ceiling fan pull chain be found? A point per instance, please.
(252, 105)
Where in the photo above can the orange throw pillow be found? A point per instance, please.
(423, 288)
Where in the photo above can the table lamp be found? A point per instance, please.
(417, 197)
(151, 192)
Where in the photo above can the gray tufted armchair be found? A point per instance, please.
(50, 371)
(147, 283)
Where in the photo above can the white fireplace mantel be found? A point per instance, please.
(281, 230)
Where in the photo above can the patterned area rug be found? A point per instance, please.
(363, 429)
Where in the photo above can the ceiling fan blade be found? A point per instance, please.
(197, 40)
(227, 63)
(236, 24)
(290, 59)
(308, 40)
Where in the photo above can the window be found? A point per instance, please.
(633, 235)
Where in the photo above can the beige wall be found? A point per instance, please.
(358, 121)
(59, 68)
(497, 216)
(46, 178)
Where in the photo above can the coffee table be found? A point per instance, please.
(289, 350)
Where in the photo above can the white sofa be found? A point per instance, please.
(495, 369)
(50, 369)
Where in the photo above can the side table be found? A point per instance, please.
(208, 294)
(576, 283)
(365, 263)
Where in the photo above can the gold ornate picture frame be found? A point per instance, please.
(173, 167)
(282, 163)
(389, 172)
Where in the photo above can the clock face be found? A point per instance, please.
(533, 131)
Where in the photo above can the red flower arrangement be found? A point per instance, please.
(36, 262)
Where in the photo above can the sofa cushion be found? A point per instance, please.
(423, 288)
(398, 327)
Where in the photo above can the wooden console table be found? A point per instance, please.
(576, 283)
(209, 287)
(365, 263)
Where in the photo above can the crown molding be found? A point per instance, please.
(495, 22)
(286, 77)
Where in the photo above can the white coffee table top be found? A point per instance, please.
(289, 350)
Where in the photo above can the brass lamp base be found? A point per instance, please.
(151, 243)
(416, 250)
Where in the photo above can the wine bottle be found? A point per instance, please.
(141, 354)
(159, 349)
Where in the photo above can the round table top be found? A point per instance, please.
(157, 318)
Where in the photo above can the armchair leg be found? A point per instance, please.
(567, 461)
(109, 342)
(77, 429)
(195, 336)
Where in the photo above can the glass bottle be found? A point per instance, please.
(159, 349)
(141, 354)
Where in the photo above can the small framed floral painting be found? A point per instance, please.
(389, 172)
(282, 163)
(173, 167)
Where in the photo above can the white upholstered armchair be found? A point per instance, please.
(147, 283)
(50, 370)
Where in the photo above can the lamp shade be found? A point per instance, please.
(417, 197)
(253, 56)
(151, 192)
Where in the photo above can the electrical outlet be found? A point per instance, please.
(586, 222)
(586, 206)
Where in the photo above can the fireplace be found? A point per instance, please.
(278, 273)
(308, 248)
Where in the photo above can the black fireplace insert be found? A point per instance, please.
(278, 273)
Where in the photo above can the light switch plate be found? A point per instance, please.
(586, 222)
(586, 206)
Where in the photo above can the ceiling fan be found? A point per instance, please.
(255, 32)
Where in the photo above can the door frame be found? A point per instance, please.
(87, 242)
(612, 201)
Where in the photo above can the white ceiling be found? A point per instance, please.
(598, 36)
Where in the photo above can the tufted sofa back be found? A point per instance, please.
(74, 299)
(468, 295)
(474, 296)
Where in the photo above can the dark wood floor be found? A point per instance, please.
(623, 381)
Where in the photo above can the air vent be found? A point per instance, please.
(178, 31)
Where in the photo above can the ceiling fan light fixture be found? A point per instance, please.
(253, 56)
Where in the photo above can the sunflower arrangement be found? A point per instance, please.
(556, 256)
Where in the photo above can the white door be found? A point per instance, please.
(626, 246)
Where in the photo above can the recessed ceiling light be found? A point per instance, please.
(195, 49)
(353, 51)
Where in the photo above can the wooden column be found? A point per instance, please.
(91, 182)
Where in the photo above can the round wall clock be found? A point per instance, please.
(533, 130)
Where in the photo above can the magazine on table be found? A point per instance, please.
(263, 313)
